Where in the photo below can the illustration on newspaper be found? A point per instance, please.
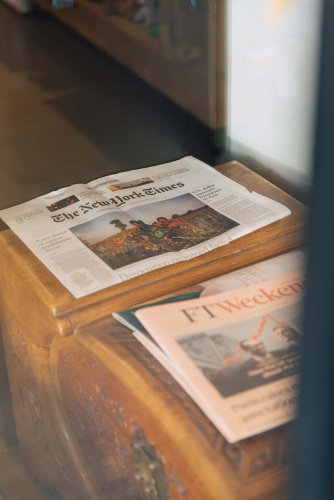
(236, 353)
(98, 234)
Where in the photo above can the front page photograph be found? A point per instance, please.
(122, 238)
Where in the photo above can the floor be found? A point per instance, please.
(70, 114)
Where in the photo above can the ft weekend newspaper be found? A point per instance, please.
(98, 234)
(238, 352)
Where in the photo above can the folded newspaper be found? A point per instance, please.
(94, 235)
(236, 353)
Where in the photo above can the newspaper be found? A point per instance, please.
(274, 267)
(98, 234)
(289, 262)
(236, 353)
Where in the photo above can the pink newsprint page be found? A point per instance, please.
(238, 351)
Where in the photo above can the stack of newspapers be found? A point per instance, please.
(233, 344)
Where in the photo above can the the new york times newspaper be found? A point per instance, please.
(94, 235)
(238, 352)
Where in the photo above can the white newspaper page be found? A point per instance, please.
(239, 352)
(94, 235)
(261, 271)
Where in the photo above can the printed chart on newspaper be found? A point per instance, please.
(94, 235)
(238, 351)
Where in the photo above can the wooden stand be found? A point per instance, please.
(96, 416)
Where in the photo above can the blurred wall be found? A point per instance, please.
(272, 54)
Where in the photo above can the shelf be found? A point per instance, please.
(190, 83)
